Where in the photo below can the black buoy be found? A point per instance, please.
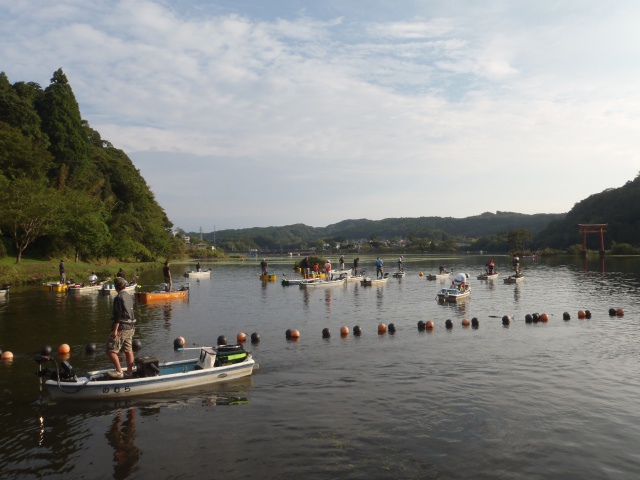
(391, 328)
(45, 350)
(587, 314)
(178, 343)
(448, 324)
(536, 317)
(222, 340)
(326, 333)
(421, 325)
(136, 344)
(90, 348)
(566, 316)
(528, 318)
(612, 312)
(357, 331)
(287, 334)
(255, 338)
(475, 323)
(506, 320)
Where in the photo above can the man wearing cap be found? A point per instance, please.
(122, 330)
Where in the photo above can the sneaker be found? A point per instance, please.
(128, 374)
(114, 374)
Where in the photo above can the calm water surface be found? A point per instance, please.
(555, 400)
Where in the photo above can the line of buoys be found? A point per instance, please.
(448, 324)
(287, 334)
(620, 312)
(506, 320)
(179, 343)
(45, 350)
(326, 333)
(566, 316)
(429, 325)
(465, 322)
(357, 331)
(392, 328)
(587, 314)
(421, 326)
(90, 348)
(6, 356)
(475, 323)
(222, 340)
(241, 337)
(64, 349)
(528, 318)
(255, 338)
(544, 317)
(295, 334)
(344, 331)
(581, 314)
(382, 328)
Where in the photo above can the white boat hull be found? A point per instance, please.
(100, 389)
(201, 274)
(486, 276)
(452, 295)
(316, 282)
(512, 279)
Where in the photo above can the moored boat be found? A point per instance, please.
(514, 278)
(488, 276)
(398, 274)
(214, 364)
(4, 290)
(269, 277)
(55, 287)
(198, 274)
(368, 281)
(453, 294)
(291, 281)
(109, 288)
(163, 295)
(82, 288)
(319, 282)
(438, 276)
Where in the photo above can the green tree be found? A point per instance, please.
(518, 238)
(30, 210)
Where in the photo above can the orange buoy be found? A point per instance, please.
(581, 314)
(382, 328)
(620, 312)
(241, 337)
(295, 334)
(421, 274)
(7, 355)
(465, 322)
(429, 325)
(63, 349)
(344, 331)
(544, 317)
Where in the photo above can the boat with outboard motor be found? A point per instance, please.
(214, 364)
(514, 278)
(162, 295)
(198, 273)
(320, 282)
(398, 274)
(453, 294)
(488, 276)
(110, 289)
(368, 281)
(440, 275)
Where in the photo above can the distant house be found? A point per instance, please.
(187, 239)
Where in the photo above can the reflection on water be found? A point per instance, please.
(121, 436)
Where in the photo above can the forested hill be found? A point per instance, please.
(617, 207)
(63, 189)
(421, 230)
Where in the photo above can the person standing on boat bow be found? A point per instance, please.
(304, 266)
(400, 269)
(379, 272)
(327, 270)
(198, 266)
(166, 271)
(63, 275)
(516, 264)
(341, 262)
(356, 264)
(264, 266)
(122, 330)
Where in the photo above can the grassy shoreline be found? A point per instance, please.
(30, 271)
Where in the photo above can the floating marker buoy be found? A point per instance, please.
(241, 337)
(421, 325)
(45, 350)
(429, 325)
(90, 347)
(382, 328)
(6, 356)
(475, 322)
(295, 334)
(222, 340)
(421, 274)
(344, 331)
(506, 320)
(544, 317)
(64, 349)
(287, 334)
(178, 343)
(587, 314)
(357, 331)
(448, 324)
(536, 317)
(528, 318)
(581, 313)
(255, 338)
(612, 312)
(620, 312)
(136, 344)
(392, 328)
(326, 333)
(566, 316)
(465, 322)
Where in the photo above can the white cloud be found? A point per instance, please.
(385, 116)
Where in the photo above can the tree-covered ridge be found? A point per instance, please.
(64, 189)
(617, 207)
(422, 233)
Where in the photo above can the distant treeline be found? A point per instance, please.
(64, 191)
(499, 232)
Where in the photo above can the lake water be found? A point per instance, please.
(544, 400)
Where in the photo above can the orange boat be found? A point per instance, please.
(163, 295)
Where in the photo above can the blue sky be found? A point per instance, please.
(260, 113)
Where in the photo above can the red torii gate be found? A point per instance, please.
(592, 228)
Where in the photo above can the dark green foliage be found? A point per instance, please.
(96, 203)
(617, 207)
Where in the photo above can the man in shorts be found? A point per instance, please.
(122, 330)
